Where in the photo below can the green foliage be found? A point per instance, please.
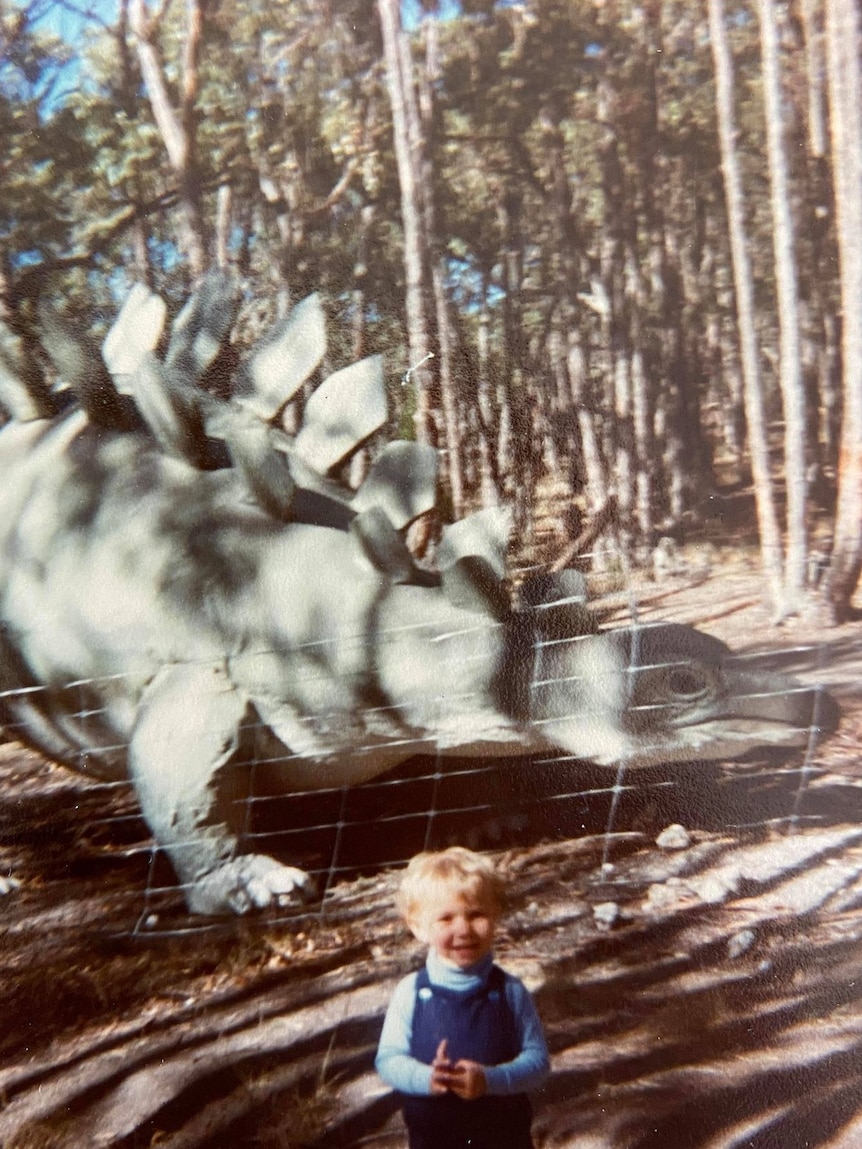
(576, 185)
(44, 159)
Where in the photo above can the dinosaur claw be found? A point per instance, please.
(247, 883)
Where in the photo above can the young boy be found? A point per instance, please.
(462, 1041)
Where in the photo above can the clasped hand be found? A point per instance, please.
(466, 1079)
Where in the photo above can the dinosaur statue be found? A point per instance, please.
(188, 591)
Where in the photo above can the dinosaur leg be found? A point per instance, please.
(181, 752)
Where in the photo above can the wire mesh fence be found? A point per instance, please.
(338, 833)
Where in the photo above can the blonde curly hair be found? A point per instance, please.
(461, 870)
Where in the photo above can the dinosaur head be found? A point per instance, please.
(667, 693)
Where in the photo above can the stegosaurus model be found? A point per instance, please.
(186, 591)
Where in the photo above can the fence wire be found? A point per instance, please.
(339, 833)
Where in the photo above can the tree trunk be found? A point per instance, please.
(487, 417)
(178, 127)
(618, 442)
(358, 325)
(514, 444)
(647, 285)
(428, 323)
(790, 351)
(821, 353)
(770, 537)
(407, 142)
(814, 79)
(453, 468)
(585, 406)
(141, 262)
(845, 101)
(224, 221)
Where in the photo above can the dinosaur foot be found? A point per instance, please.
(249, 882)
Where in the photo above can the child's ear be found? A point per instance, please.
(417, 927)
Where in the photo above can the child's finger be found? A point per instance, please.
(438, 1084)
(456, 1078)
(441, 1069)
(467, 1080)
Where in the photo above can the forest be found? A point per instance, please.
(611, 251)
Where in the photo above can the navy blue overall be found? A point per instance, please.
(478, 1026)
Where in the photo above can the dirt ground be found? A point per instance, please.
(700, 994)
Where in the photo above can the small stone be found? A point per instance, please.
(716, 888)
(606, 914)
(8, 884)
(674, 837)
(740, 943)
(661, 897)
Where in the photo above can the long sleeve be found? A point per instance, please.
(525, 1072)
(530, 1069)
(393, 1061)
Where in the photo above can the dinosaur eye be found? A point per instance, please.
(687, 682)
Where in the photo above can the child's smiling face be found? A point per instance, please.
(458, 926)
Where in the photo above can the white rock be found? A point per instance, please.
(740, 943)
(661, 896)
(674, 837)
(717, 887)
(605, 914)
